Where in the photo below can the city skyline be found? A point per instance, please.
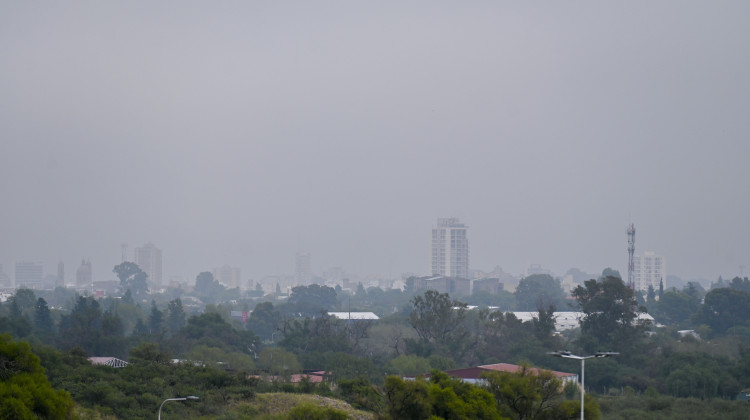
(239, 135)
(301, 271)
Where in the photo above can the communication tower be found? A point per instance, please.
(631, 252)
(124, 247)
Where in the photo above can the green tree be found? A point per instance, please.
(264, 320)
(278, 362)
(661, 288)
(539, 290)
(24, 299)
(407, 399)
(155, 320)
(725, 308)
(25, 392)
(83, 326)
(674, 307)
(175, 315)
(42, 317)
(151, 353)
(208, 288)
(132, 278)
(439, 320)
(610, 311)
(311, 300)
(529, 394)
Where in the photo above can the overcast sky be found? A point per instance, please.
(239, 132)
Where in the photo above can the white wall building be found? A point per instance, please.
(28, 274)
(450, 249)
(228, 276)
(148, 258)
(648, 270)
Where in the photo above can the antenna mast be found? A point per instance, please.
(631, 251)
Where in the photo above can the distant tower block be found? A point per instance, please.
(449, 251)
(303, 275)
(631, 252)
(60, 280)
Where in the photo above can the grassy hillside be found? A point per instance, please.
(279, 405)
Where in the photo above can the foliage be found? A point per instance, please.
(610, 311)
(132, 278)
(659, 407)
(307, 411)
(211, 330)
(25, 393)
(311, 300)
(539, 290)
(361, 393)
(529, 394)
(675, 308)
(278, 362)
(439, 322)
(175, 316)
(264, 320)
(310, 335)
(725, 308)
(208, 288)
(42, 317)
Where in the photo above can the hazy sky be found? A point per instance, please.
(239, 132)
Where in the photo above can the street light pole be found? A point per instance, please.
(569, 355)
(190, 397)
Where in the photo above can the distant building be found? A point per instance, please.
(451, 285)
(355, 316)
(108, 361)
(148, 258)
(228, 276)
(4, 279)
(489, 285)
(29, 274)
(60, 279)
(536, 269)
(648, 270)
(303, 274)
(83, 274)
(449, 249)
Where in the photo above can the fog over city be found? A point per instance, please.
(242, 132)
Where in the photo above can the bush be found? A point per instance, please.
(307, 411)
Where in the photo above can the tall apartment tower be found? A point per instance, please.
(228, 276)
(648, 270)
(148, 258)
(302, 272)
(83, 274)
(28, 274)
(450, 249)
(60, 279)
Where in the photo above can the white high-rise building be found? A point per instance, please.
(83, 274)
(648, 270)
(228, 276)
(450, 249)
(148, 258)
(29, 274)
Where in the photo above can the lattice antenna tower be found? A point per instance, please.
(124, 247)
(631, 252)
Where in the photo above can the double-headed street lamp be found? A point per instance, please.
(569, 355)
(191, 397)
